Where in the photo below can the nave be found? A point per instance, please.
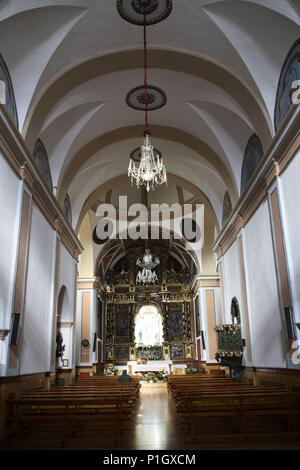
(149, 223)
(186, 412)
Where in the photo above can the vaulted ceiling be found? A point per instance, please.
(72, 63)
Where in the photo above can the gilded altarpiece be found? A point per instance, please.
(173, 300)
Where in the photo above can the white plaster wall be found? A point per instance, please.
(67, 277)
(9, 215)
(67, 271)
(290, 204)
(38, 309)
(218, 306)
(266, 327)
(232, 283)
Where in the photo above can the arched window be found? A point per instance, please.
(227, 208)
(148, 326)
(235, 311)
(10, 102)
(42, 162)
(68, 209)
(253, 153)
(290, 72)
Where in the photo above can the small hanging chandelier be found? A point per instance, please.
(147, 263)
(151, 170)
(146, 277)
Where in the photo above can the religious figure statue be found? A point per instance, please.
(60, 347)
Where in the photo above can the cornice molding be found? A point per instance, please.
(281, 152)
(17, 155)
(92, 283)
(205, 281)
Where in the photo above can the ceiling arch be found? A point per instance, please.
(220, 74)
(96, 197)
(162, 59)
(174, 135)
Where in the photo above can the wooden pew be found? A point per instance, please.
(94, 409)
(232, 407)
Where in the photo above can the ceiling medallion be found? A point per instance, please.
(133, 10)
(155, 97)
(149, 5)
(149, 98)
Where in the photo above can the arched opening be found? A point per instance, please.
(68, 209)
(148, 326)
(227, 208)
(253, 154)
(290, 73)
(8, 92)
(63, 327)
(42, 162)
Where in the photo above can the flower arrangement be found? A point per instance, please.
(162, 375)
(151, 377)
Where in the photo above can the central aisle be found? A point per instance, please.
(155, 420)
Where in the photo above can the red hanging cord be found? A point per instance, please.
(147, 130)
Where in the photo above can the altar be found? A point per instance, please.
(151, 366)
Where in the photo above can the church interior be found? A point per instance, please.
(149, 199)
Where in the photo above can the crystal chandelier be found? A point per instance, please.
(151, 170)
(147, 263)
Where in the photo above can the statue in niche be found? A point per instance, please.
(60, 347)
